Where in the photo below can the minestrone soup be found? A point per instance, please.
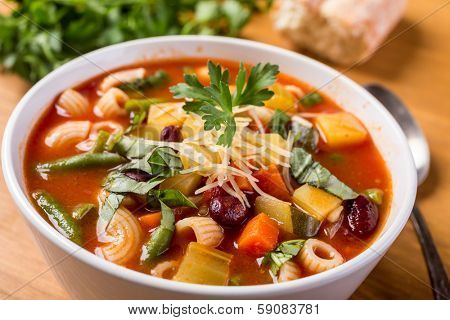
(206, 172)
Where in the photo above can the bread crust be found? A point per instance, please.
(343, 31)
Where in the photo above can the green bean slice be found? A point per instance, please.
(82, 161)
(59, 218)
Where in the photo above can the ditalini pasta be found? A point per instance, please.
(68, 133)
(207, 231)
(234, 183)
(73, 104)
(289, 271)
(125, 235)
(111, 104)
(318, 256)
(117, 78)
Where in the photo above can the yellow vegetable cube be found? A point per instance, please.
(185, 183)
(282, 99)
(192, 125)
(194, 155)
(166, 114)
(271, 141)
(315, 201)
(204, 265)
(341, 129)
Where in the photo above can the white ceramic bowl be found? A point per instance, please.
(84, 275)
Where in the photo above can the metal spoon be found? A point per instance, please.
(421, 154)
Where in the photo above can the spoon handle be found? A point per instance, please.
(436, 270)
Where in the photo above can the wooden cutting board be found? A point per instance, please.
(416, 65)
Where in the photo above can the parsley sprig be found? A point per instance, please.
(215, 102)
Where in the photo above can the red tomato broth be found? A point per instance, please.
(359, 167)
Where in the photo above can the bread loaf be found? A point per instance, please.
(343, 31)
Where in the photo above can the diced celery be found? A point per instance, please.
(204, 265)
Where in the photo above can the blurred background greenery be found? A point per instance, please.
(37, 36)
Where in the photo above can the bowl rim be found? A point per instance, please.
(368, 256)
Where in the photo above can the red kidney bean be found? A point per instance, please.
(361, 216)
(171, 134)
(138, 175)
(227, 211)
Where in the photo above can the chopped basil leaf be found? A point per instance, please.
(282, 254)
(279, 123)
(305, 135)
(171, 197)
(133, 147)
(107, 211)
(305, 170)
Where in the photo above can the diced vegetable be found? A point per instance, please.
(81, 210)
(243, 183)
(259, 236)
(264, 114)
(305, 135)
(272, 140)
(375, 194)
(192, 125)
(185, 183)
(282, 99)
(82, 161)
(290, 219)
(282, 254)
(61, 220)
(161, 238)
(203, 156)
(166, 114)
(279, 123)
(311, 99)
(305, 170)
(341, 129)
(271, 182)
(278, 210)
(204, 265)
(315, 201)
(150, 220)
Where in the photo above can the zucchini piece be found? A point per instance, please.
(204, 265)
(185, 183)
(289, 218)
(315, 201)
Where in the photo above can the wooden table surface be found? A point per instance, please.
(416, 65)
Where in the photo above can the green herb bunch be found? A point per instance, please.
(215, 103)
(40, 35)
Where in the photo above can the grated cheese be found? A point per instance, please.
(249, 151)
